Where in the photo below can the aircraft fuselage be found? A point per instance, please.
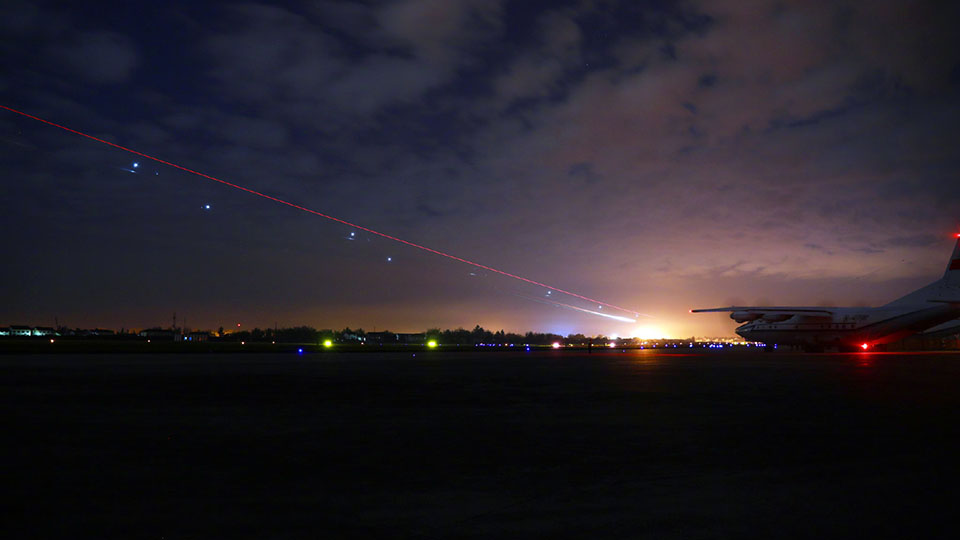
(849, 326)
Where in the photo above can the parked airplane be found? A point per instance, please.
(850, 327)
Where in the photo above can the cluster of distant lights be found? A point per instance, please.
(327, 344)
(432, 344)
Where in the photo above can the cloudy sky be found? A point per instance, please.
(657, 156)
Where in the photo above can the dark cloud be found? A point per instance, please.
(377, 56)
(97, 57)
(818, 247)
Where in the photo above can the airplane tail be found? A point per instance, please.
(944, 290)
(952, 276)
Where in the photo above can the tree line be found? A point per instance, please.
(459, 336)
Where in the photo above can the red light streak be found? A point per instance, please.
(308, 210)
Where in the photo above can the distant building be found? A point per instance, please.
(382, 337)
(159, 334)
(97, 332)
(17, 330)
(354, 337)
(412, 339)
(197, 336)
(22, 331)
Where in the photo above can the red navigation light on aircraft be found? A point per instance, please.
(864, 346)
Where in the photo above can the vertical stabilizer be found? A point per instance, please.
(952, 276)
(943, 289)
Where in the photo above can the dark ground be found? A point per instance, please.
(608, 445)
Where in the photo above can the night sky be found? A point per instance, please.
(659, 156)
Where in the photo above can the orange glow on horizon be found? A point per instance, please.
(649, 332)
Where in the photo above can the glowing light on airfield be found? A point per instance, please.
(649, 332)
(556, 345)
(864, 346)
(432, 344)
(328, 343)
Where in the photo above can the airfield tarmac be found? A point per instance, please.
(635, 444)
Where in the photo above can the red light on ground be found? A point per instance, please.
(864, 346)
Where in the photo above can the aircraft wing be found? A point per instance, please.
(780, 310)
(743, 314)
